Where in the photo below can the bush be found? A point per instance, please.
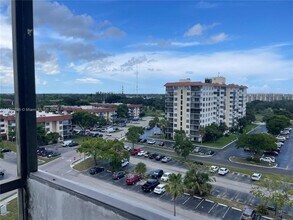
(262, 209)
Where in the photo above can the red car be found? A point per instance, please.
(135, 151)
(132, 179)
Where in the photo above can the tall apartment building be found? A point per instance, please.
(191, 105)
(268, 97)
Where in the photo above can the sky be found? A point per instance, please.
(92, 46)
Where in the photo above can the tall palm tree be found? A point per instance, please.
(175, 187)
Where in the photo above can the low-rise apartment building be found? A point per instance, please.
(192, 105)
(60, 124)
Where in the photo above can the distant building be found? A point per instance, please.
(134, 110)
(191, 105)
(60, 124)
(268, 97)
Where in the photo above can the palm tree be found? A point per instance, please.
(163, 125)
(175, 187)
(197, 182)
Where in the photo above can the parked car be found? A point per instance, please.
(150, 185)
(135, 151)
(196, 149)
(66, 143)
(146, 154)
(141, 153)
(223, 171)
(166, 159)
(246, 149)
(151, 141)
(73, 144)
(248, 213)
(157, 174)
(160, 143)
(118, 175)
(152, 156)
(53, 154)
(210, 152)
(2, 173)
(4, 150)
(128, 148)
(256, 176)
(40, 150)
(214, 169)
(143, 140)
(165, 177)
(271, 153)
(159, 157)
(45, 153)
(267, 159)
(95, 170)
(132, 179)
(160, 189)
(124, 163)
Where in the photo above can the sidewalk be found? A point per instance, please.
(7, 200)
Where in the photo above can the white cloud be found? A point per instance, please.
(49, 67)
(40, 81)
(88, 80)
(198, 29)
(218, 38)
(5, 32)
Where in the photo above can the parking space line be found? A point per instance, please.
(186, 200)
(187, 194)
(226, 212)
(212, 206)
(237, 209)
(209, 200)
(197, 197)
(199, 203)
(222, 204)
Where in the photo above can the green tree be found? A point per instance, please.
(96, 147)
(274, 192)
(11, 133)
(116, 153)
(183, 145)
(276, 123)
(257, 142)
(52, 137)
(202, 132)
(133, 134)
(1, 147)
(152, 123)
(197, 182)
(41, 135)
(175, 187)
(212, 132)
(163, 123)
(122, 111)
(140, 168)
(84, 119)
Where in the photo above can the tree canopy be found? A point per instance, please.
(140, 168)
(257, 142)
(133, 134)
(84, 119)
(122, 111)
(276, 123)
(183, 145)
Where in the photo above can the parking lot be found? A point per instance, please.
(186, 201)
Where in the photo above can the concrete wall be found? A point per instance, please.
(55, 198)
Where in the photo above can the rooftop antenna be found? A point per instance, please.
(122, 92)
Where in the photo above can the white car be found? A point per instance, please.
(166, 159)
(268, 159)
(160, 189)
(127, 148)
(196, 150)
(214, 169)
(165, 177)
(108, 134)
(141, 153)
(256, 176)
(151, 141)
(223, 171)
(124, 163)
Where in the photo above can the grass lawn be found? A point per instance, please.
(258, 117)
(84, 165)
(221, 142)
(12, 209)
(261, 163)
(80, 139)
(249, 128)
(47, 160)
(8, 145)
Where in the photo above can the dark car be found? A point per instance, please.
(73, 144)
(40, 150)
(132, 179)
(53, 154)
(95, 170)
(152, 156)
(157, 174)
(143, 140)
(2, 174)
(45, 153)
(159, 157)
(150, 185)
(118, 175)
(210, 152)
(160, 143)
(5, 150)
(271, 153)
(198, 162)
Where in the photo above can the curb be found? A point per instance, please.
(78, 161)
(250, 164)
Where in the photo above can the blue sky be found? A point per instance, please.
(90, 46)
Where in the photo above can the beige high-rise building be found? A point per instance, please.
(191, 105)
